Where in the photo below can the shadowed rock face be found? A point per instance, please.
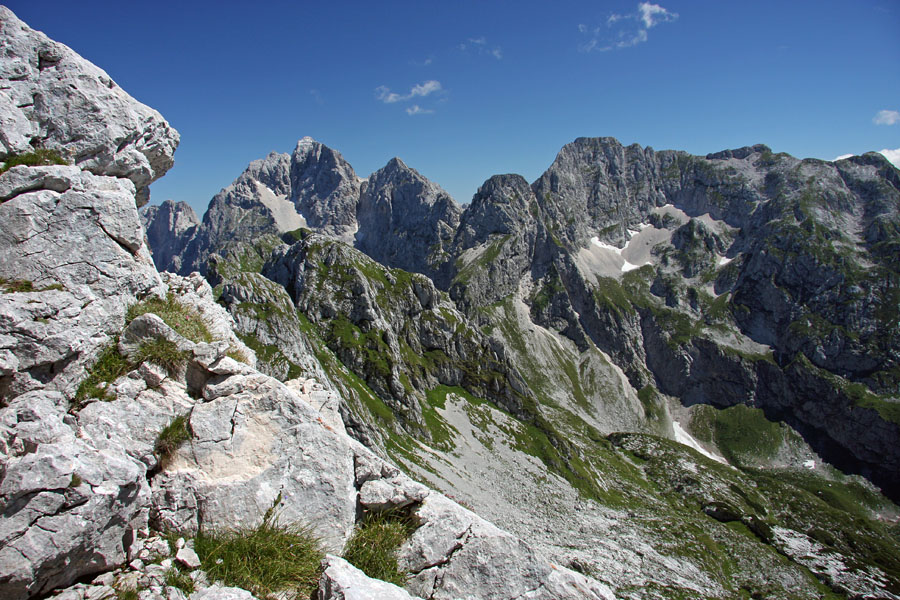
(169, 227)
(52, 98)
(405, 220)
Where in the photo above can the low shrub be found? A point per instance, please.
(39, 157)
(373, 546)
(267, 559)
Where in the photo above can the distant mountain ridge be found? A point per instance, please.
(793, 254)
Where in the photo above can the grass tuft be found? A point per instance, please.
(237, 354)
(178, 579)
(267, 559)
(164, 353)
(110, 366)
(373, 546)
(127, 593)
(170, 438)
(39, 157)
(183, 319)
(10, 286)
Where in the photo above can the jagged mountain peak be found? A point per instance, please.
(405, 220)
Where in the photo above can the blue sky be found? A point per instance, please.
(464, 90)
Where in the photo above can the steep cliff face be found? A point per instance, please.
(169, 226)
(406, 221)
(325, 189)
(785, 254)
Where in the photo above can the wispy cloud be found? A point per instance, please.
(423, 89)
(481, 47)
(886, 117)
(420, 90)
(415, 109)
(624, 31)
(317, 96)
(654, 14)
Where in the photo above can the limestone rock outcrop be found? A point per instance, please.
(76, 239)
(52, 98)
(67, 507)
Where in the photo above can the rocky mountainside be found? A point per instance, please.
(742, 303)
(645, 375)
(139, 443)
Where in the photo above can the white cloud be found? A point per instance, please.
(385, 94)
(892, 155)
(625, 31)
(423, 89)
(480, 46)
(842, 157)
(886, 117)
(415, 109)
(654, 14)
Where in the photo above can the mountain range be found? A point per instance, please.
(644, 375)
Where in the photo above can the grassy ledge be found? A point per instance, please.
(39, 157)
(183, 319)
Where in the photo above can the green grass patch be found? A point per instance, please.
(742, 434)
(373, 546)
(11, 286)
(110, 366)
(40, 157)
(183, 319)
(265, 560)
(164, 353)
(170, 438)
(178, 579)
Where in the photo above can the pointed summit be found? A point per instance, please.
(405, 220)
(324, 188)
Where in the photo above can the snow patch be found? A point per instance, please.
(683, 437)
(809, 464)
(283, 210)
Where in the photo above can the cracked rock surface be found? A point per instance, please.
(77, 238)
